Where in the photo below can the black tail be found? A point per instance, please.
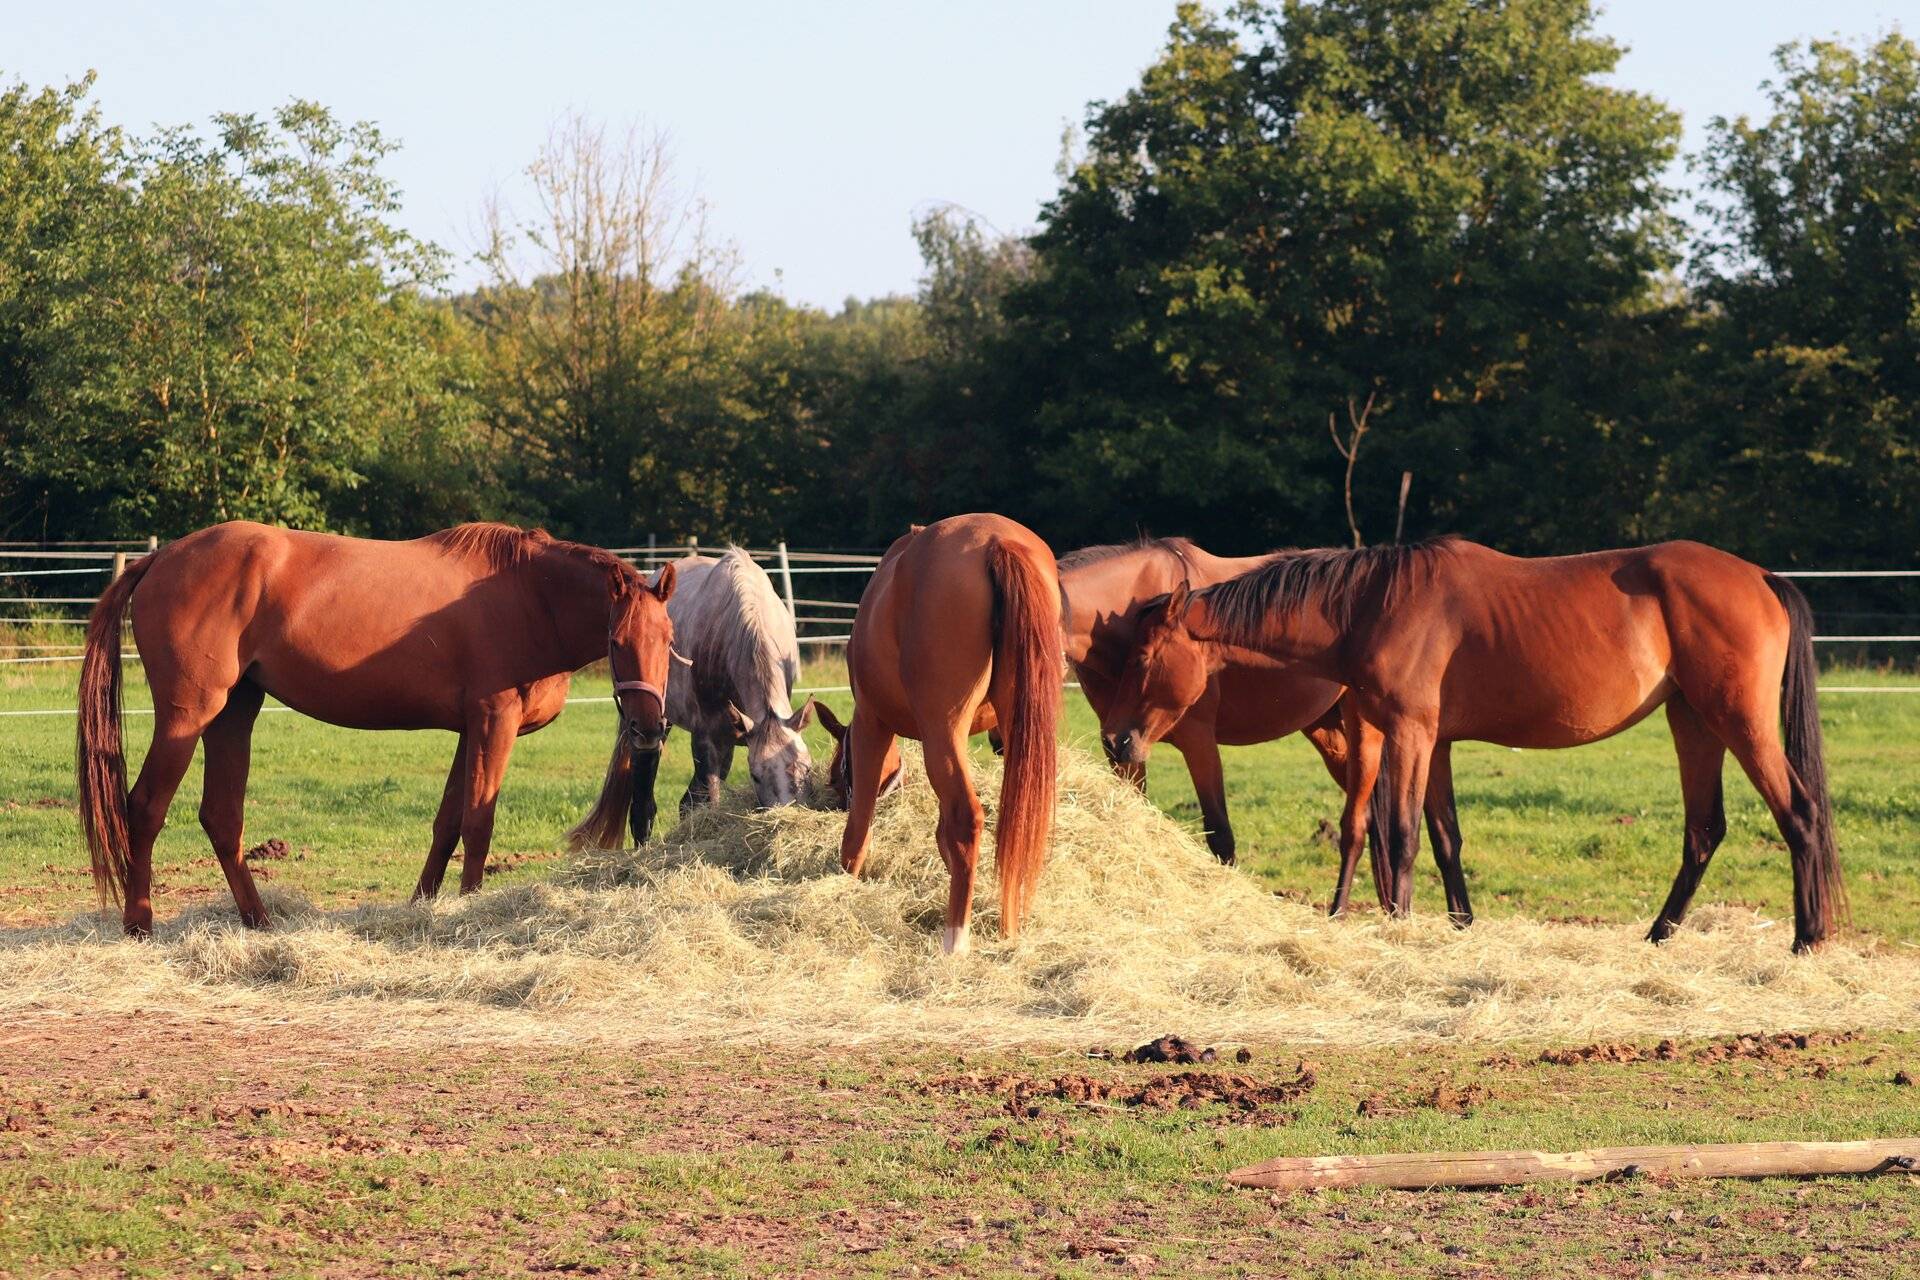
(1823, 895)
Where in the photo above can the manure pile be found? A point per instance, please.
(740, 927)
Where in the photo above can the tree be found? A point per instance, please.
(613, 349)
(1806, 443)
(1435, 203)
(235, 332)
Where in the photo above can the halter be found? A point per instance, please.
(641, 686)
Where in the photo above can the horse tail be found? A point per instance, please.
(1027, 638)
(100, 758)
(1825, 888)
(606, 826)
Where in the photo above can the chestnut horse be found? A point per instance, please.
(475, 630)
(1448, 640)
(958, 632)
(1242, 704)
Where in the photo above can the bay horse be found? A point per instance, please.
(1448, 640)
(736, 662)
(958, 632)
(1241, 705)
(475, 630)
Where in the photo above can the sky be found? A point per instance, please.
(814, 132)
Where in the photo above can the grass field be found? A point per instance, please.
(1589, 834)
(157, 1145)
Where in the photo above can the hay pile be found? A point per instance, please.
(741, 927)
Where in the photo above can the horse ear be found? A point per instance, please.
(801, 718)
(663, 582)
(829, 721)
(741, 725)
(1176, 608)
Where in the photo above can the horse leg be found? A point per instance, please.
(958, 833)
(1443, 828)
(1754, 738)
(229, 746)
(696, 792)
(490, 734)
(1409, 755)
(1702, 756)
(446, 825)
(873, 749)
(643, 809)
(1329, 738)
(178, 723)
(1363, 772)
(1202, 754)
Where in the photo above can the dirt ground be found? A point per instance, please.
(153, 1145)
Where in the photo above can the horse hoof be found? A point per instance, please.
(954, 941)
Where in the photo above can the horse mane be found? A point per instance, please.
(1333, 578)
(505, 546)
(1175, 547)
(757, 648)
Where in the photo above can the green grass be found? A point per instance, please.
(1588, 833)
(150, 1147)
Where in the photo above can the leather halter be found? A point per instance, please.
(641, 686)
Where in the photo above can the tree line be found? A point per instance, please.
(1433, 234)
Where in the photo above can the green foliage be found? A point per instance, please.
(236, 330)
(1442, 207)
(1435, 202)
(1806, 446)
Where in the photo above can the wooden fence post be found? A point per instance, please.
(119, 564)
(153, 543)
(786, 579)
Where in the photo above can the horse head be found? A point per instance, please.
(840, 770)
(777, 756)
(1165, 672)
(639, 648)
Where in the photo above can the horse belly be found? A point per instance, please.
(1522, 706)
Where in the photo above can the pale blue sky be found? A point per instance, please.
(814, 131)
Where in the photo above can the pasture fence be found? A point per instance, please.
(823, 618)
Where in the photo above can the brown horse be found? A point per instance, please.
(1448, 640)
(958, 632)
(475, 630)
(1241, 705)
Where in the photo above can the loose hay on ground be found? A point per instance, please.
(741, 927)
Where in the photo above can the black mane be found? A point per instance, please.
(1334, 578)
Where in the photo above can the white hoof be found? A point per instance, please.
(954, 942)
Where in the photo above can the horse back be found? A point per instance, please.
(355, 631)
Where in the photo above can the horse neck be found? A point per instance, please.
(574, 590)
(1304, 640)
(739, 619)
(1205, 568)
(1106, 588)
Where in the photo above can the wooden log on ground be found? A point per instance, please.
(1413, 1172)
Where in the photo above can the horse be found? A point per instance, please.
(1242, 704)
(732, 683)
(1447, 640)
(474, 629)
(958, 632)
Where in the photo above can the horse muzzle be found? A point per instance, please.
(644, 737)
(1126, 747)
